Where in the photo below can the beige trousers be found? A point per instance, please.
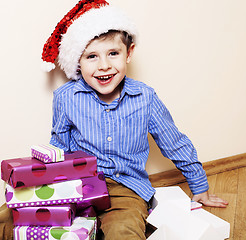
(126, 219)
(6, 223)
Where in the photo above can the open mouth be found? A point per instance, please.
(105, 79)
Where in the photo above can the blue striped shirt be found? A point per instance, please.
(117, 133)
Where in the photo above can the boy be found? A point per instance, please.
(108, 115)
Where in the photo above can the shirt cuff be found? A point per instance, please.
(199, 184)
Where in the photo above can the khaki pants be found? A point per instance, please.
(6, 223)
(126, 219)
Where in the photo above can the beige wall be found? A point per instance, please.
(192, 52)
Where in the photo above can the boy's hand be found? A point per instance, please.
(210, 200)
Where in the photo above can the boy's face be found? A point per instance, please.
(103, 66)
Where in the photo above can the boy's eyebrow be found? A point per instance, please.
(86, 53)
(115, 49)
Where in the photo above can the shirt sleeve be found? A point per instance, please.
(176, 146)
(60, 133)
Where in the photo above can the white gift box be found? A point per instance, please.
(174, 219)
(218, 224)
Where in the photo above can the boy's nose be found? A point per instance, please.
(104, 64)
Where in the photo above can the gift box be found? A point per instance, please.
(27, 172)
(51, 194)
(86, 212)
(175, 211)
(47, 153)
(57, 215)
(95, 193)
(81, 229)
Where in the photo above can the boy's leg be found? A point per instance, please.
(6, 223)
(126, 219)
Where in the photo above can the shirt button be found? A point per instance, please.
(117, 175)
(109, 139)
(107, 110)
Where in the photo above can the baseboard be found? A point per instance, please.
(174, 176)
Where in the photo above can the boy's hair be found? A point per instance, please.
(125, 37)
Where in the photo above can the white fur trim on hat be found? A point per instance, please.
(47, 66)
(89, 25)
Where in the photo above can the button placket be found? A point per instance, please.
(108, 128)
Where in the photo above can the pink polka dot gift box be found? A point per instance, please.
(57, 215)
(51, 194)
(81, 229)
(28, 171)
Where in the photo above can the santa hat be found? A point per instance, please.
(88, 19)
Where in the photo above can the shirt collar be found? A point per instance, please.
(130, 87)
(82, 86)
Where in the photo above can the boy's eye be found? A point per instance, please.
(114, 53)
(91, 56)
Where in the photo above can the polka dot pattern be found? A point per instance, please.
(79, 164)
(25, 194)
(37, 233)
(57, 193)
(45, 192)
(43, 214)
(38, 169)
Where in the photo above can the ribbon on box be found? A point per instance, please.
(47, 153)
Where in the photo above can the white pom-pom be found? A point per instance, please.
(47, 66)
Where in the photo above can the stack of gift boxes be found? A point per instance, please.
(54, 195)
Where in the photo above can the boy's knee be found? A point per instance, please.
(124, 226)
(124, 231)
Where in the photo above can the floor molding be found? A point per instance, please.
(174, 176)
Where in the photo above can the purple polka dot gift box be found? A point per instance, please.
(95, 193)
(57, 215)
(28, 171)
(81, 229)
(51, 194)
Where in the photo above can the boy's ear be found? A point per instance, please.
(130, 52)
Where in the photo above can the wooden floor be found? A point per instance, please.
(231, 186)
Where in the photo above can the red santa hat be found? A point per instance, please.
(79, 26)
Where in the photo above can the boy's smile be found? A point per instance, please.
(103, 66)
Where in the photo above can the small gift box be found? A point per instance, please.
(81, 229)
(88, 212)
(47, 153)
(95, 193)
(51, 194)
(57, 215)
(26, 172)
